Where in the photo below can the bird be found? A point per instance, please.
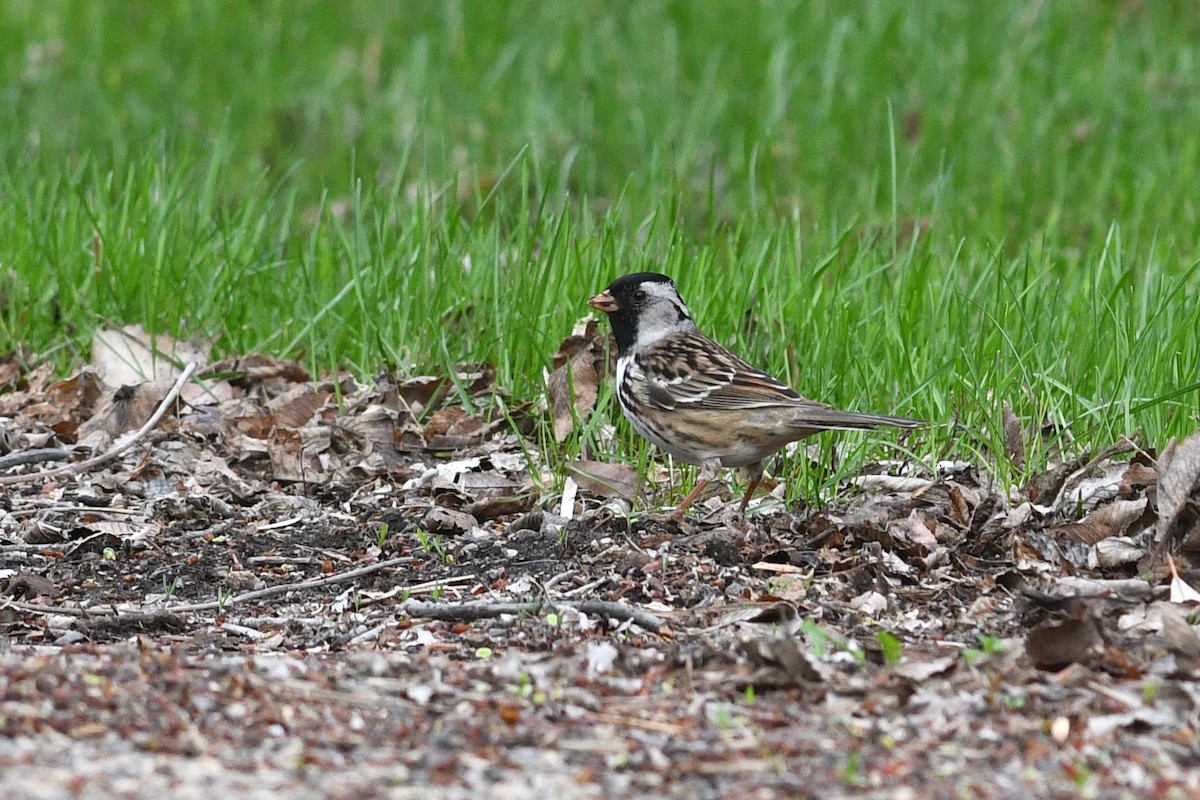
(696, 399)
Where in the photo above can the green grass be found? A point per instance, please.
(417, 184)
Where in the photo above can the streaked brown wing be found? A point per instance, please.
(692, 370)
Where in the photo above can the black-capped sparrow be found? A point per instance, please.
(697, 400)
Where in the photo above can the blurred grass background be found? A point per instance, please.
(926, 208)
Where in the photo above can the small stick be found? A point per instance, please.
(34, 456)
(256, 594)
(464, 612)
(80, 467)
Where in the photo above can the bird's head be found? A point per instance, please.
(643, 308)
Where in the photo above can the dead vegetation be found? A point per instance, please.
(313, 587)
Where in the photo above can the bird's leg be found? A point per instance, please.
(749, 493)
(754, 476)
(677, 515)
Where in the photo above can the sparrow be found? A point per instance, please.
(696, 399)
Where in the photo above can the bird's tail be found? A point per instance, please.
(832, 419)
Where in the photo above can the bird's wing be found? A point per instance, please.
(691, 370)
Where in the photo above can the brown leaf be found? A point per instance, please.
(429, 391)
(1181, 590)
(28, 585)
(1108, 520)
(125, 409)
(1179, 636)
(1014, 444)
(296, 409)
(605, 479)
(574, 384)
(448, 521)
(257, 368)
(1178, 503)
(1055, 646)
(131, 355)
(294, 453)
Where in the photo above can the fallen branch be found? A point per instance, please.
(35, 456)
(121, 446)
(213, 605)
(414, 608)
(284, 588)
(611, 608)
(466, 612)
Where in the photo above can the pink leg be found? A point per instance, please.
(677, 514)
(749, 493)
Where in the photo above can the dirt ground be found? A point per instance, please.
(291, 588)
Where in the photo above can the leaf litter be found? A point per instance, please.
(294, 586)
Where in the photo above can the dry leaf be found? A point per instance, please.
(604, 479)
(1179, 636)
(1181, 592)
(296, 409)
(131, 356)
(574, 384)
(1115, 551)
(428, 391)
(448, 521)
(1178, 480)
(125, 409)
(1014, 444)
(1054, 646)
(1108, 520)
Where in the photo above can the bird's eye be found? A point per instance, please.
(639, 295)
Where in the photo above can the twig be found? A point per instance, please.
(630, 721)
(587, 587)
(415, 608)
(325, 580)
(559, 578)
(440, 583)
(284, 588)
(29, 548)
(67, 611)
(463, 612)
(34, 456)
(611, 608)
(121, 446)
